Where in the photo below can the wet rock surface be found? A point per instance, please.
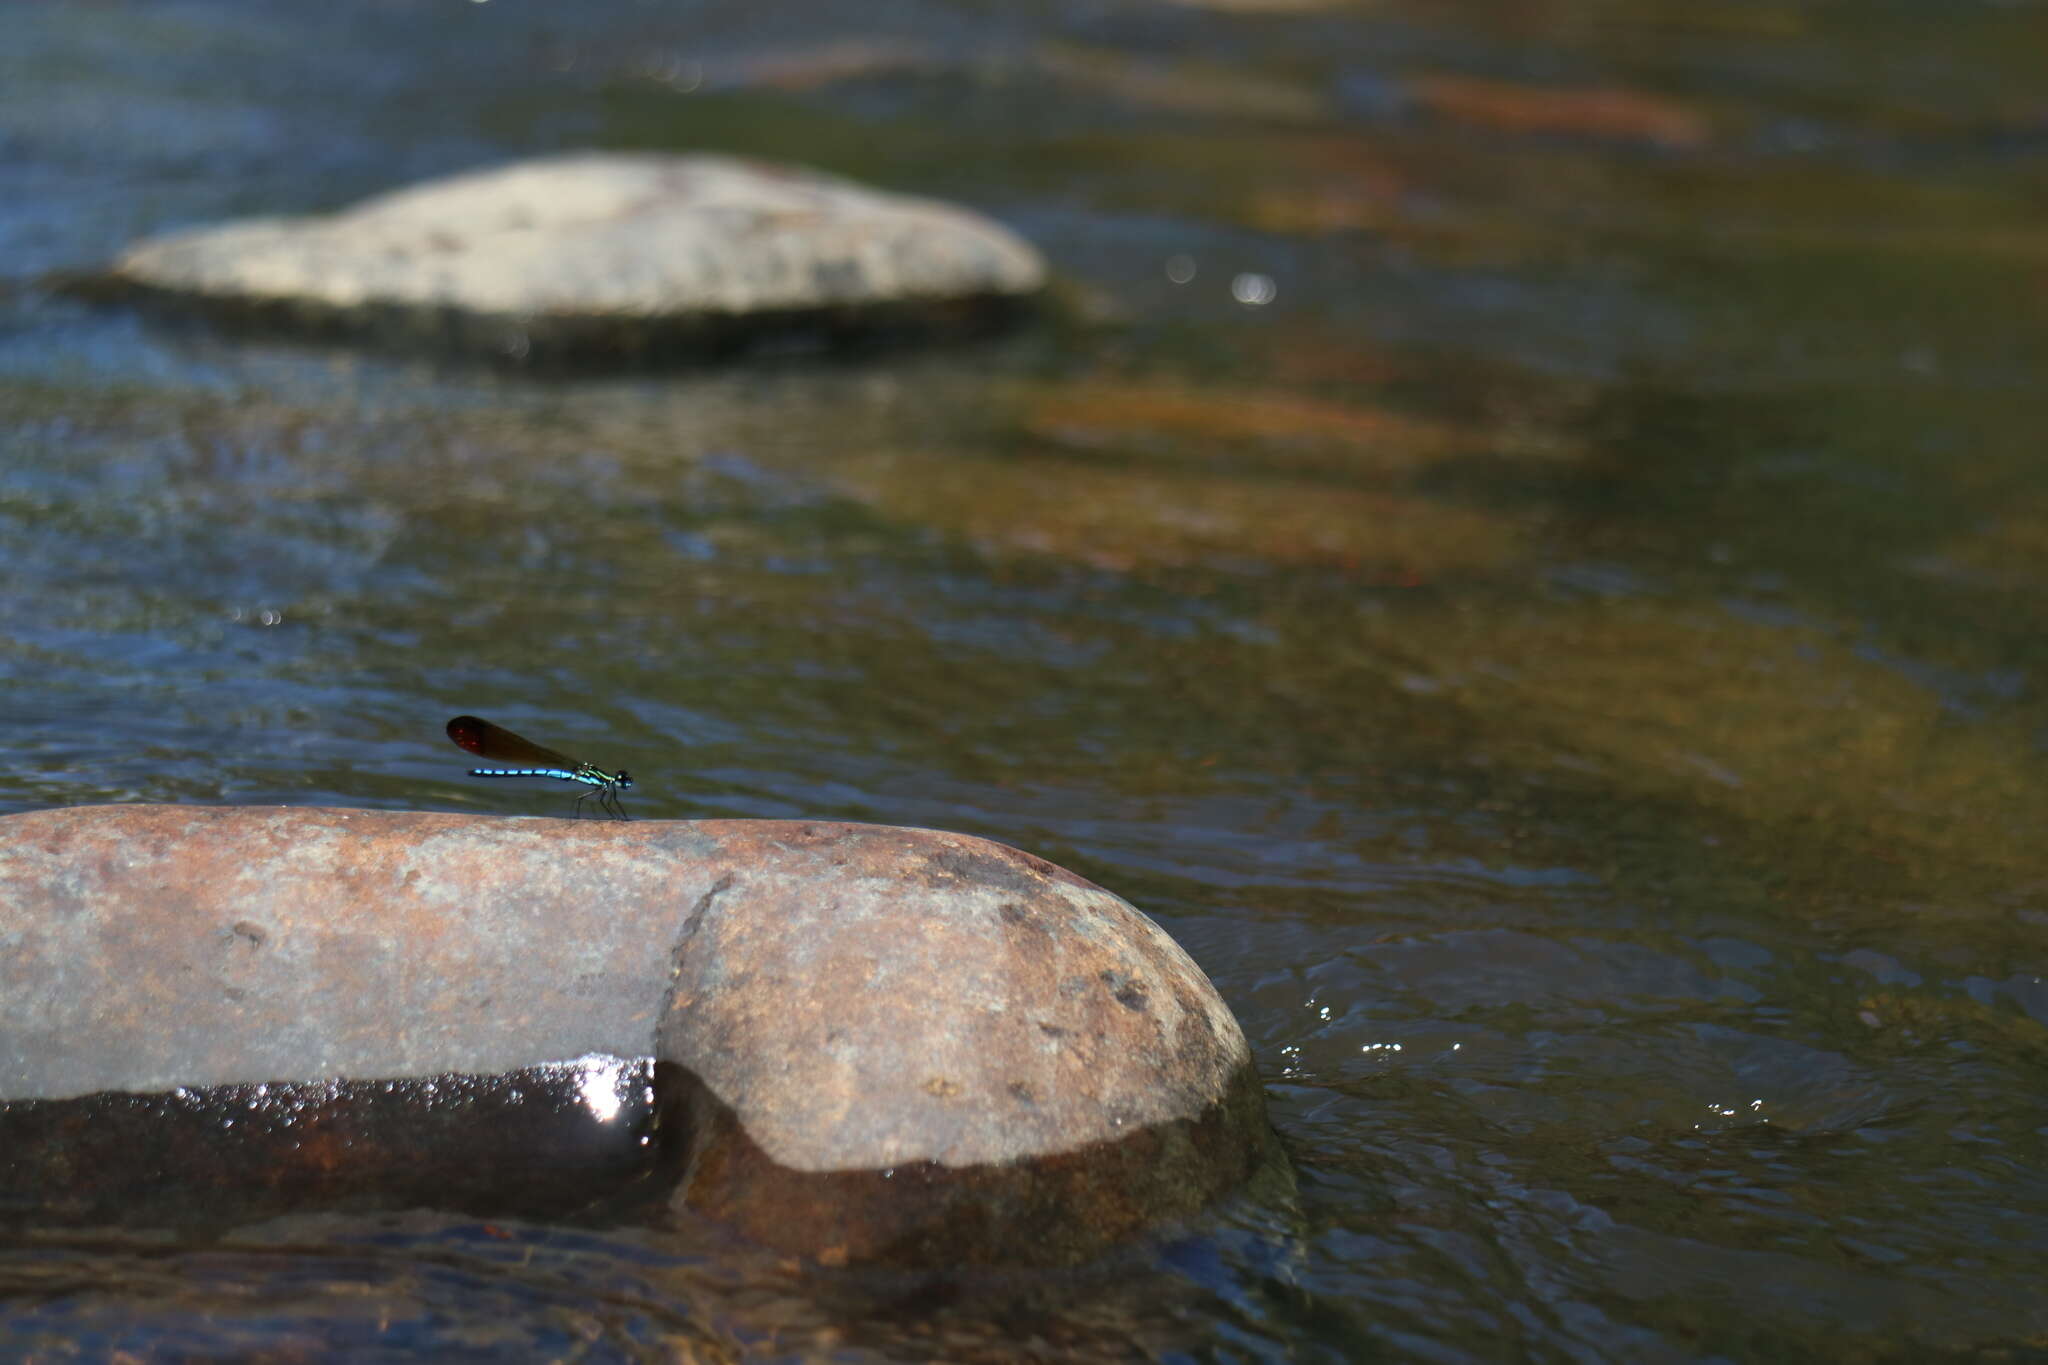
(599, 256)
(563, 1141)
(872, 1044)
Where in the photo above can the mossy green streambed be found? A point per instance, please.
(1522, 542)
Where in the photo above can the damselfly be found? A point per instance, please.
(500, 745)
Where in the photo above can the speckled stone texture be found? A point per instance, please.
(873, 1044)
(148, 947)
(595, 253)
(914, 1049)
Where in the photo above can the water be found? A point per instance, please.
(1524, 547)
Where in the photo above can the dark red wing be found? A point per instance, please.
(500, 745)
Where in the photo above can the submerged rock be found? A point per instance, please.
(871, 1044)
(603, 255)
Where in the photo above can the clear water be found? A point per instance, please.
(1526, 548)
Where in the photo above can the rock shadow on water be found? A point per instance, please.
(565, 347)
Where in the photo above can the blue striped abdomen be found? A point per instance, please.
(559, 774)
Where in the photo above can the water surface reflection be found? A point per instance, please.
(1565, 662)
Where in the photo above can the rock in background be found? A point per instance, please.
(601, 256)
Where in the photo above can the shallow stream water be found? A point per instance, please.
(1523, 543)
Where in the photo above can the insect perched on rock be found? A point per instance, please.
(500, 745)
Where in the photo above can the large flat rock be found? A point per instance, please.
(871, 1043)
(602, 253)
